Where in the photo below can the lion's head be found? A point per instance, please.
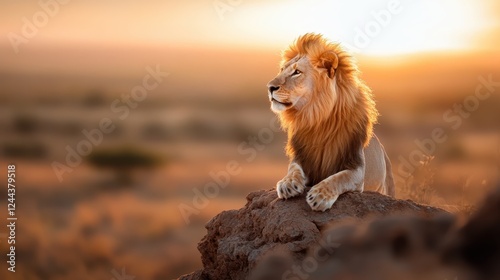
(327, 110)
(316, 76)
(306, 76)
(317, 79)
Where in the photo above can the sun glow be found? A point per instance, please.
(378, 28)
(374, 27)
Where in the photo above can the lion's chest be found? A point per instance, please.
(323, 153)
(319, 159)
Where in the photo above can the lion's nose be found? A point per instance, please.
(272, 89)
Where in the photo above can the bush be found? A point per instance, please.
(124, 161)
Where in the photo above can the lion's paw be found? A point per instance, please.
(321, 197)
(290, 186)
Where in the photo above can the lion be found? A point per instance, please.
(328, 113)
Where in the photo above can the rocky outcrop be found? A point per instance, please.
(270, 232)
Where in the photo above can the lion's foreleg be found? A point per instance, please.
(323, 195)
(294, 182)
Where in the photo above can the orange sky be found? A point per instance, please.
(424, 25)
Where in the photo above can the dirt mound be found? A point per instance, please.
(268, 231)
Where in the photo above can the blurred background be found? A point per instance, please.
(112, 177)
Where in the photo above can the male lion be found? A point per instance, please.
(328, 113)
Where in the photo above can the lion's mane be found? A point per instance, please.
(326, 135)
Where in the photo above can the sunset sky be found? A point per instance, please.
(416, 26)
(421, 59)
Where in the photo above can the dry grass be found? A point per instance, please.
(418, 185)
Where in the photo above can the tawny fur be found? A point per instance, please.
(324, 136)
(328, 113)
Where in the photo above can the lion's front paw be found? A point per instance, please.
(321, 197)
(290, 186)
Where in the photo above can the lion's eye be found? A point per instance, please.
(296, 72)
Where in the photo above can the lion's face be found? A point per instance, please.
(293, 86)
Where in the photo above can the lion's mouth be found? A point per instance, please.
(287, 104)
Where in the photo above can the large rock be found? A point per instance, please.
(476, 246)
(237, 241)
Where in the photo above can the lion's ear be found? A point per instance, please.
(329, 61)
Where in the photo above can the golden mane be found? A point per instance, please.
(326, 135)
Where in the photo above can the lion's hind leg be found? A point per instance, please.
(390, 188)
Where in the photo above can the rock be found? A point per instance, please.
(395, 247)
(400, 247)
(238, 241)
(476, 245)
(193, 276)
